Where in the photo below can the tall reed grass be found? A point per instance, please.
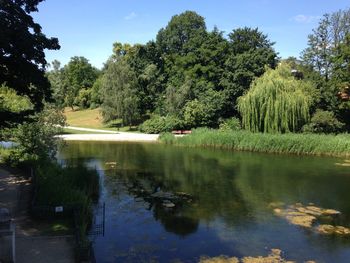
(74, 187)
(289, 143)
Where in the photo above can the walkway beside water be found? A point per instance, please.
(112, 136)
(31, 246)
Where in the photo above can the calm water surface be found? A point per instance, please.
(222, 205)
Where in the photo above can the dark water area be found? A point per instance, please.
(219, 202)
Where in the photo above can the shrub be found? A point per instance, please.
(158, 124)
(323, 122)
(83, 99)
(233, 124)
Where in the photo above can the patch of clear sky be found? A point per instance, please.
(89, 28)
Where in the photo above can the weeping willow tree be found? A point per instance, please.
(276, 102)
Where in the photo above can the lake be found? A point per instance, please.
(176, 204)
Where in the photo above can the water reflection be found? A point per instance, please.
(226, 206)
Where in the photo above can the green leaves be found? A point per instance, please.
(22, 45)
(120, 94)
(276, 102)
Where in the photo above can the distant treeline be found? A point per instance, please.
(192, 77)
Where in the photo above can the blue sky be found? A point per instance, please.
(89, 28)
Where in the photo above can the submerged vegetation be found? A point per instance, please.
(275, 256)
(289, 143)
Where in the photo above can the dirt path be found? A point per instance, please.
(15, 195)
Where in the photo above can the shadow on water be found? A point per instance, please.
(168, 203)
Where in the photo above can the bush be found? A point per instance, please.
(158, 124)
(323, 122)
(83, 99)
(233, 124)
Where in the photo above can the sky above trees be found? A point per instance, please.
(89, 28)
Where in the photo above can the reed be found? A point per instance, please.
(288, 143)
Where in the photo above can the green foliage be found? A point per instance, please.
(232, 124)
(96, 96)
(328, 54)
(324, 41)
(70, 187)
(289, 143)
(22, 45)
(251, 52)
(276, 102)
(167, 138)
(66, 186)
(36, 141)
(78, 74)
(83, 99)
(158, 124)
(10, 101)
(177, 35)
(120, 97)
(323, 122)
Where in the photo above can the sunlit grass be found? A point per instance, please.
(91, 118)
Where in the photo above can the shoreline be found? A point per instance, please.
(115, 137)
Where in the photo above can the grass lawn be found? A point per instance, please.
(72, 131)
(88, 118)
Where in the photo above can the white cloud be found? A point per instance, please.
(305, 18)
(130, 16)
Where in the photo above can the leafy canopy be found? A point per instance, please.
(22, 45)
(276, 102)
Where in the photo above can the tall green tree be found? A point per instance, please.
(120, 98)
(22, 46)
(175, 38)
(276, 102)
(250, 52)
(326, 54)
(57, 82)
(78, 74)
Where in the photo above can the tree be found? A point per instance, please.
(56, 79)
(120, 98)
(36, 137)
(176, 36)
(250, 53)
(327, 54)
(22, 45)
(276, 102)
(78, 74)
(324, 41)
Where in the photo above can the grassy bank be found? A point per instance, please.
(291, 143)
(74, 188)
(91, 118)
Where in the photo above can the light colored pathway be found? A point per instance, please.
(114, 136)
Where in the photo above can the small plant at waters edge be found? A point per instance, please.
(233, 124)
(167, 138)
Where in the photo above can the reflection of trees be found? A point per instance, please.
(206, 175)
(229, 185)
(148, 187)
